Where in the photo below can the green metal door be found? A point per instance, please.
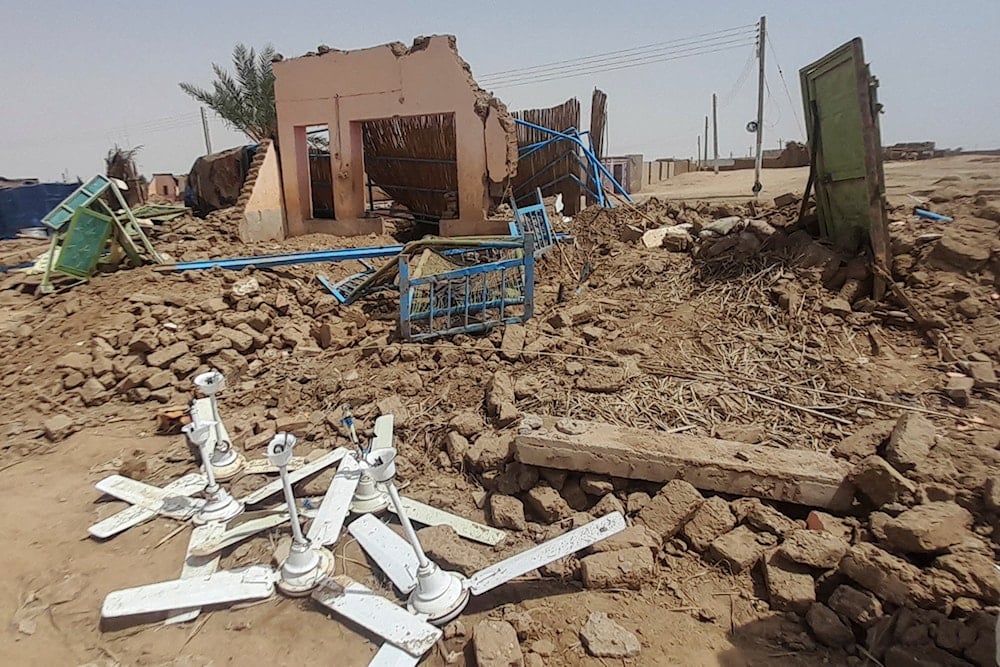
(842, 121)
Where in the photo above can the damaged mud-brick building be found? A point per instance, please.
(411, 119)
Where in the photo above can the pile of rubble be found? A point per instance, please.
(760, 351)
(906, 575)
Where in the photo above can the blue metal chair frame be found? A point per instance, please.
(472, 298)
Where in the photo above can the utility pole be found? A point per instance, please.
(204, 126)
(761, 36)
(706, 141)
(699, 151)
(715, 134)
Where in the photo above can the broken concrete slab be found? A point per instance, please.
(796, 476)
(972, 575)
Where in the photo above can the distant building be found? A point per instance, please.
(168, 186)
(626, 169)
(912, 150)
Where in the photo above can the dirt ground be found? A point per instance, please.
(973, 173)
(689, 338)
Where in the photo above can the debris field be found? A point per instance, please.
(809, 474)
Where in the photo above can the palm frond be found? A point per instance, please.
(244, 99)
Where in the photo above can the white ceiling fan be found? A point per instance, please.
(354, 490)
(435, 594)
(304, 570)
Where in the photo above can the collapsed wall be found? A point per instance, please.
(398, 96)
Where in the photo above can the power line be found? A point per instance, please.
(600, 56)
(622, 59)
(611, 67)
(784, 83)
(744, 76)
(772, 103)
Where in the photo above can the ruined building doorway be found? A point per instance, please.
(413, 161)
(320, 172)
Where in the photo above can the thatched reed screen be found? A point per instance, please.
(413, 159)
(550, 167)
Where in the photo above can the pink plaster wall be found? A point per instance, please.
(342, 88)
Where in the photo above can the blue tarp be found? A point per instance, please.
(24, 206)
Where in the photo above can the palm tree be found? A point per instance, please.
(120, 164)
(246, 101)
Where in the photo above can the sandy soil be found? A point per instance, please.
(55, 577)
(965, 174)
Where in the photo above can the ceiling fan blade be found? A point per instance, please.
(390, 656)
(195, 566)
(383, 432)
(432, 516)
(250, 583)
(274, 486)
(355, 602)
(246, 525)
(174, 503)
(325, 528)
(546, 552)
(393, 555)
(188, 485)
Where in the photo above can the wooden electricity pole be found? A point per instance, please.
(761, 36)
(699, 151)
(715, 134)
(706, 141)
(204, 127)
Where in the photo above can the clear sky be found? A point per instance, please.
(78, 77)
